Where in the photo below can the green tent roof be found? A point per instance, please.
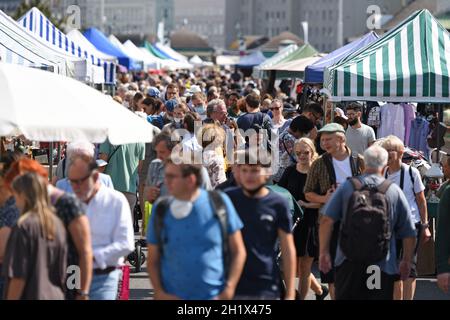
(411, 63)
(150, 48)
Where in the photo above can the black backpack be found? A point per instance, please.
(220, 212)
(365, 232)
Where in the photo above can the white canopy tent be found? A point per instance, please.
(77, 37)
(17, 46)
(87, 68)
(125, 50)
(63, 109)
(150, 62)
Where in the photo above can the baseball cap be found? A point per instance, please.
(195, 89)
(332, 128)
(341, 113)
(171, 104)
(153, 92)
(101, 163)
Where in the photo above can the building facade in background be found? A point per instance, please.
(130, 18)
(331, 23)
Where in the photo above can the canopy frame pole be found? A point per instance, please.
(324, 107)
(50, 160)
(333, 110)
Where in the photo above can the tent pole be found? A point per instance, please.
(59, 152)
(333, 109)
(439, 116)
(324, 107)
(50, 161)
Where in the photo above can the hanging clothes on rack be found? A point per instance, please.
(419, 133)
(392, 121)
(409, 112)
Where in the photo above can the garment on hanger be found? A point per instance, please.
(419, 134)
(392, 121)
(409, 115)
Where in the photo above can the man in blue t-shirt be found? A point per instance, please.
(186, 259)
(266, 219)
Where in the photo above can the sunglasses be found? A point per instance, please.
(278, 108)
(79, 181)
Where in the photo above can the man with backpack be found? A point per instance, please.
(195, 247)
(327, 173)
(373, 214)
(409, 180)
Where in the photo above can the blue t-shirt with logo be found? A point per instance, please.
(192, 261)
(262, 218)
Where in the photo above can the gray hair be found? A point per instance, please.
(122, 88)
(80, 147)
(375, 157)
(212, 106)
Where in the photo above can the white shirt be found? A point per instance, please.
(342, 169)
(190, 143)
(111, 227)
(392, 121)
(409, 190)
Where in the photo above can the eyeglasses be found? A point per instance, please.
(169, 176)
(79, 181)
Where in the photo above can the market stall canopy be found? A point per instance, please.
(38, 24)
(227, 60)
(304, 51)
(298, 65)
(314, 72)
(253, 59)
(410, 63)
(110, 63)
(155, 51)
(150, 61)
(17, 46)
(137, 58)
(101, 42)
(63, 109)
(170, 52)
(259, 73)
(167, 62)
(196, 61)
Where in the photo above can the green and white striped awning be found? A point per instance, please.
(411, 63)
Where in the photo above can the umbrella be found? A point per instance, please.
(47, 107)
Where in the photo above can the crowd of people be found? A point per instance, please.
(219, 228)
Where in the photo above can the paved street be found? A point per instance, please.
(140, 288)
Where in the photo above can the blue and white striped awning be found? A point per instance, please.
(36, 22)
(20, 47)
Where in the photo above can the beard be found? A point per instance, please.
(253, 192)
(353, 122)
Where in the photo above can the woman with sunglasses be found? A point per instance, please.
(278, 120)
(306, 237)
